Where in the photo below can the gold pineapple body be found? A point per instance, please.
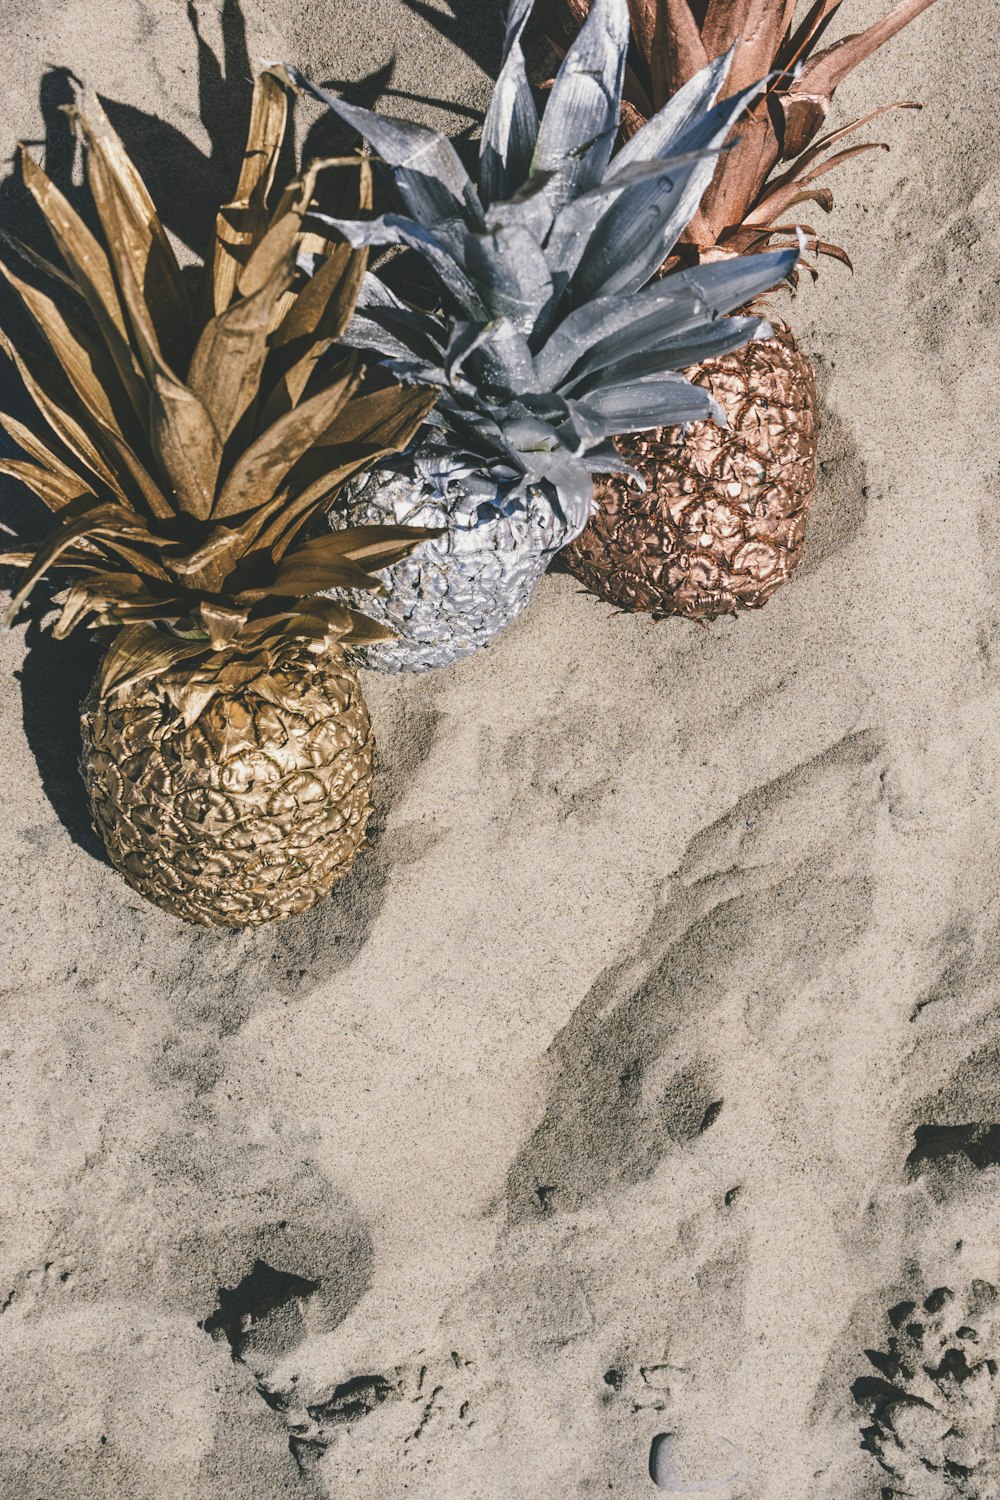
(249, 814)
(227, 749)
(721, 523)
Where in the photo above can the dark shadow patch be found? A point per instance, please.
(474, 27)
(264, 1296)
(186, 183)
(352, 1400)
(978, 1143)
(348, 1403)
(54, 677)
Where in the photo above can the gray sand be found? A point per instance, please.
(650, 1056)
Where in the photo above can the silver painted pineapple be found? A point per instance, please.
(552, 333)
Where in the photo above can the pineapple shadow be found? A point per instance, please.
(841, 506)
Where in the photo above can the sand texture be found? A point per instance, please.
(643, 1082)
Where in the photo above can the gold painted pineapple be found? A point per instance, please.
(722, 523)
(227, 749)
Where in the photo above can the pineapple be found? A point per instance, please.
(721, 521)
(547, 338)
(227, 749)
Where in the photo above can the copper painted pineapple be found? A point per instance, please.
(227, 749)
(722, 522)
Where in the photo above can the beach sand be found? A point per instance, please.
(649, 1058)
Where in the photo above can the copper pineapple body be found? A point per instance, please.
(251, 813)
(721, 523)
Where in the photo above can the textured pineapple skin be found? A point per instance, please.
(722, 522)
(250, 814)
(457, 592)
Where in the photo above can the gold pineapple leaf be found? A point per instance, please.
(134, 234)
(259, 471)
(242, 223)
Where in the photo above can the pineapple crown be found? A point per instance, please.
(548, 340)
(192, 442)
(747, 198)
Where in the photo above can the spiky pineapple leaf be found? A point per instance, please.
(511, 275)
(643, 404)
(324, 306)
(821, 74)
(672, 42)
(134, 232)
(82, 358)
(241, 223)
(43, 453)
(142, 651)
(259, 471)
(578, 127)
(640, 228)
(428, 171)
(708, 341)
(228, 359)
(53, 396)
(54, 489)
(361, 630)
(106, 594)
(130, 468)
(91, 521)
(510, 130)
(658, 136)
(371, 545)
(396, 229)
(87, 262)
(759, 24)
(383, 423)
(187, 445)
(341, 560)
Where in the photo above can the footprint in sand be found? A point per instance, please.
(934, 1406)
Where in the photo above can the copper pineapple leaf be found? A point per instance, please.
(677, 51)
(817, 148)
(825, 70)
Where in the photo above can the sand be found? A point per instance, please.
(650, 1057)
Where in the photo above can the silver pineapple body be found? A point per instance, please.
(457, 592)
